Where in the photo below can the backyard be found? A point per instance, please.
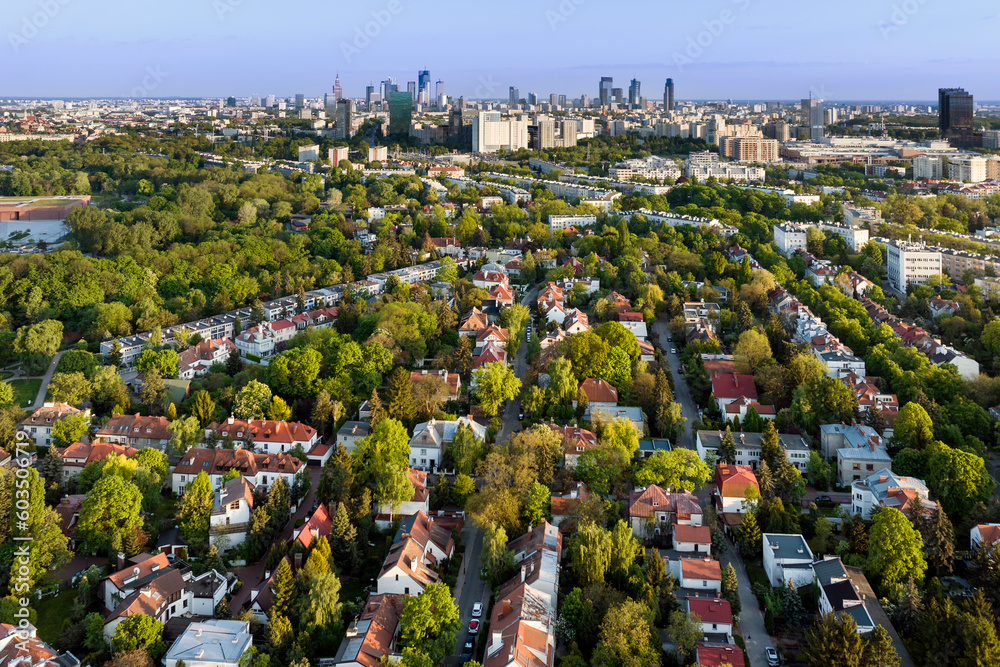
(25, 391)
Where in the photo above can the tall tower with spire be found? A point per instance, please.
(338, 92)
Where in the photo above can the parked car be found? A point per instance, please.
(823, 499)
(477, 610)
(520, 415)
(467, 649)
(772, 657)
(473, 627)
(673, 350)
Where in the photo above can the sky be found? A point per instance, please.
(878, 50)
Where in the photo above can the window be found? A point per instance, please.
(869, 467)
(857, 466)
(397, 577)
(704, 583)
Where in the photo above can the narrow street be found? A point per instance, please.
(751, 627)
(682, 394)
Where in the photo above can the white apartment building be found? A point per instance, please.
(378, 154)
(910, 263)
(790, 237)
(491, 133)
(928, 168)
(855, 237)
(564, 221)
(967, 168)
(310, 152)
(337, 153)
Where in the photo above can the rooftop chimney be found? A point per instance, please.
(121, 562)
(506, 605)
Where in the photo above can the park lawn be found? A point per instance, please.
(51, 613)
(25, 391)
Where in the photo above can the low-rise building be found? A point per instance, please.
(351, 433)
(430, 439)
(838, 595)
(732, 387)
(258, 468)
(229, 521)
(372, 636)
(984, 534)
(137, 431)
(716, 615)
(748, 447)
(77, 456)
(787, 558)
(21, 647)
(267, 435)
(692, 539)
(652, 511)
(38, 425)
(887, 489)
(197, 359)
(732, 484)
(211, 643)
(601, 395)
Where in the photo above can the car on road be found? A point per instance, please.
(473, 627)
(467, 650)
(477, 610)
(772, 657)
(824, 499)
(673, 350)
(520, 415)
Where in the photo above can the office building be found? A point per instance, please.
(369, 96)
(230, 101)
(955, 116)
(928, 168)
(411, 88)
(514, 96)
(386, 88)
(300, 101)
(967, 168)
(908, 263)
(813, 116)
(991, 139)
(343, 126)
(532, 99)
(338, 92)
(633, 93)
(554, 99)
(330, 104)
(668, 95)
(424, 86)
(491, 132)
(617, 96)
(439, 88)
(604, 92)
(400, 112)
(270, 101)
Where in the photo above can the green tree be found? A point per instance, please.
(466, 449)
(72, 388)
(878, 650)
(537, 503)
(627, 637)
(727, 448)
(202, 407)
(337, 477)
(381, 459)
(834, 640)
(621, 435)
(822, 401)
(749, 535)
(448, 271)
(139, 631)
(895, 549)
(913, 427)
(278, 410)
(940, 542)
(533, 400)
(676, 469)
(497, 561)
(401, 404)
(194, 509)
(294, 372)
(495, 383)
(430, 622)
(282, 589)
(70, 429)
(252, 400)
(41, 338)
(958, 479)
(753, 350)
(730, 588)
(590, 553)
(684, 630)
(110, 509)
(186, 433)
(321, 606)
(562, 383)
(153, 390)
(6, 393)
(625, 548)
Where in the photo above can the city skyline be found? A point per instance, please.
(229, 47)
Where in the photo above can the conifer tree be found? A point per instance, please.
(401, 404)
(940, 541)
(282, 589)
(727, 448)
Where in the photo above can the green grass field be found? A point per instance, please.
(25, 391)
(51, 613)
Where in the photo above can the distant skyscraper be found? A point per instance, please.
(532, 99)
(411, 88)
(369, 96)
(668, 95)
(439, 88)
(813, 116)
(338, 92)
(330, 104)
(955, 114)
(400, 112)
(633, 93)
(562, 100)
(515, 96)
(617, 95)
(424, 86)
(300, 101)
(343, 124)
(270, 101)
(230, 101)
(387, 88)
(554, 99)
(604, 93)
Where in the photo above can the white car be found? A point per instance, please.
(673, 350)
(477, 610)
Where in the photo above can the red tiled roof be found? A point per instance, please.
(265, 430)
(599, 391)
(715, 655)
(733, 386)
(989, 532)
(693, 534)
(136, 426)
(320, 522)
(734, 480)
(701, 568)
(710, 610)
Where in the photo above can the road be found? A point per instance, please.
(46, 379)
(752, 626)
(470, 588)
(682, 394)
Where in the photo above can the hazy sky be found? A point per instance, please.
(741, 49)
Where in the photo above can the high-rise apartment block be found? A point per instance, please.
(928, 168)
(967, 168)
(337, 153)
(908, 263)
(813, 116)
(492, 132)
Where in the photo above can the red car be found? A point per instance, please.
(473, 627)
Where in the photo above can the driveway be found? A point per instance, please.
(682, 394)
(46, 379)
(510, 423)
(751, 626)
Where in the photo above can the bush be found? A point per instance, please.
(769, 622)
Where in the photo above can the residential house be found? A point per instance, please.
(887, 489)
(653, 511)
(647, 352)
(732, 387)
(211, 643)
(371, 637)
(701, 576)
(741, 407)
(748, 447)
(448, 246)
(474, 322)
(574, 440)
(418, 545)
(197, 359)
(491, 353)
(563, 507)
(38, 425)
(418, 502)
(838, 595)
(491, 335)
(79, 454)
(162, 590)
(860, 453)
(318, 525)
(430, 439)
(229, 521)
(632, 413)
(502, 296)
(272, 437)
(619, 302)
(716, 615)
(554, 311)
(260, 469)
(552, 338)
(21, 647)
(713, 654)
(490, 279)
(257, 343)
(635, 323)
(732, 482)
(452, 381)
(68, 510)
(692, 539)
(787, 558)
(576, 322)
(136, 431)
(351, 433)
(600, 395)
(984, 534)
(939, 307)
